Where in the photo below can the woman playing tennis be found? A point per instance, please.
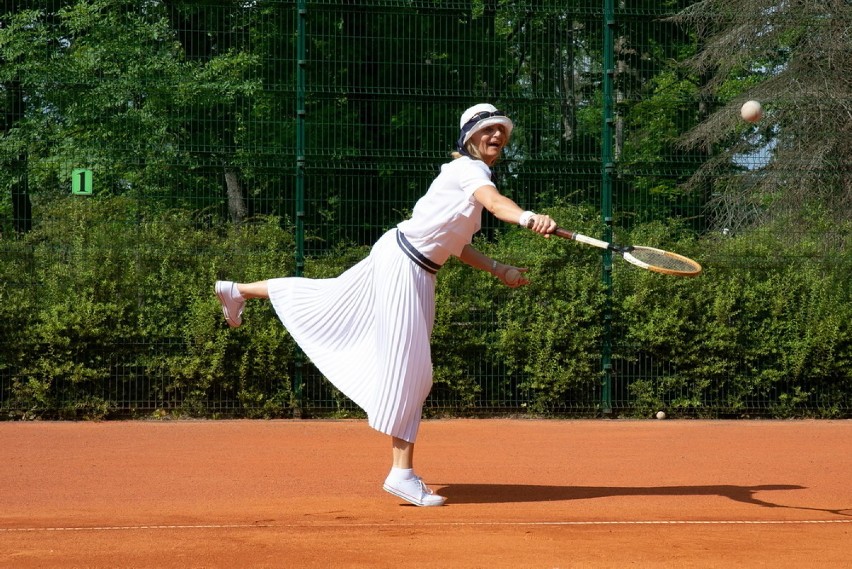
(368, 330)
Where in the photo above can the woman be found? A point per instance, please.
(368, 330)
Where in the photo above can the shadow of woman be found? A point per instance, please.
(512, 493)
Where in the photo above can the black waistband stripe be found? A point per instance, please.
(424, 262)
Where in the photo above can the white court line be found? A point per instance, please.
(422, 524)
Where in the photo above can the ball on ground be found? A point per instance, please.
(661, 414)
(751, 111)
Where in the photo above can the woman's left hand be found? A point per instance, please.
(512, 277)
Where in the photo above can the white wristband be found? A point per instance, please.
(525, 218)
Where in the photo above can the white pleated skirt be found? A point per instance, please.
(368, 332)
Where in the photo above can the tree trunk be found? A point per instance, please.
(22, 209)
(236, 203)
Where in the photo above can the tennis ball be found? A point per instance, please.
(661, 415)
(751, 111)
(513, 277)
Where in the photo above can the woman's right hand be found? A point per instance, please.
(542, 223)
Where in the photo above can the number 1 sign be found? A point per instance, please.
(81, 182)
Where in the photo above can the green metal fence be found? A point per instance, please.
(330, 119)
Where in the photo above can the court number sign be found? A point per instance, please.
(81, 182)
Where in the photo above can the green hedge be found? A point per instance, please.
(102, 298)
(108, 309)
(535, 348)
(765, 330)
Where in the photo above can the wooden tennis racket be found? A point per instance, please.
(649, 258)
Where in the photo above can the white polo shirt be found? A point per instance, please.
(446, 217)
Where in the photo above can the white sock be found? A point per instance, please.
(399, 474)
(235, 293)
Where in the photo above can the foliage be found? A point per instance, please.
(135, 96)
(184, 111)
(550, 331)
(108, 309)
(118, 311)
(792, 57)
(542, 348)
(752, 337)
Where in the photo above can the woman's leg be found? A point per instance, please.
(403, 482)
(259, 289)
(233, 298)
(403, 454)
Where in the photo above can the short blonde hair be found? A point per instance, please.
(471, 150)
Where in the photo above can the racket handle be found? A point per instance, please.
(579, 237)
(559, 231)
(564, 233)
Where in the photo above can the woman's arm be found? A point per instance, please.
(477, 260)
(507, 210)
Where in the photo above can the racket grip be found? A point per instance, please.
(579, 237)
(564, 233)
(559, 232)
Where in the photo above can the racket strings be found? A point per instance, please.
(665, 260)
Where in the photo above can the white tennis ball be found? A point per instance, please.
(661, 414)
(751, 111)
(513, 277)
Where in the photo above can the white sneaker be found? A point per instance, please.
(231, 307)
(415, 491)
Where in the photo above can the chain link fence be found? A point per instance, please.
(150, 148)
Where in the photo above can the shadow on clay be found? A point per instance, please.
(516, 493)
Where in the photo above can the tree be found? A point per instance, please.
(111, 87)
(656, 102)
(15, 171)
(793, 168)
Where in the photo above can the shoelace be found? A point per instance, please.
(423, 488)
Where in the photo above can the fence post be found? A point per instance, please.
(301, 64)
(607, 168)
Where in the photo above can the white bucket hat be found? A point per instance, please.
(478, 117)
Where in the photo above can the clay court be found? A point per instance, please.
(521, 494)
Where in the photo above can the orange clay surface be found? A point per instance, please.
(521, 494)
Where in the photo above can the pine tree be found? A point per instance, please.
(792, 170)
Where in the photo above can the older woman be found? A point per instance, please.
(368, 330)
